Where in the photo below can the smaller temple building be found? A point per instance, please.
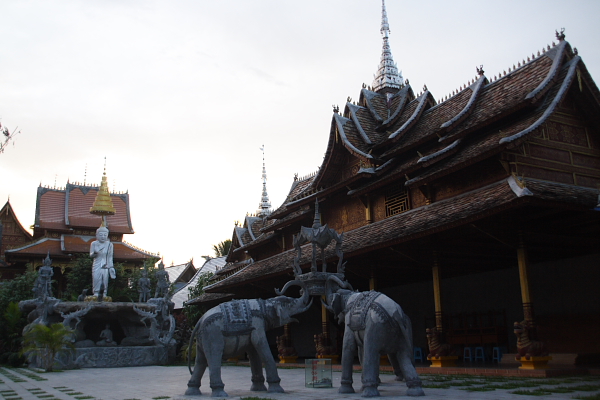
(64, 229)
(12, 234)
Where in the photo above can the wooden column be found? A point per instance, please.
(372, 282)
(368, 210)
(437, 294)
(524, 280)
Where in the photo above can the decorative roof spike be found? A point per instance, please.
(264, 207)
(364, 85)
(349, 99)
(553, 44)
(560, 36)
(575, 51)
(532, 56)
(480, 70)
(548, 47)
(103, 204)
(317, 219)
(504, 72)
(387, 75)
(424, 88)
(528, 59)
(336, 109)
(538, 54)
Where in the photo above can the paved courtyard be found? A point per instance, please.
(156, 382)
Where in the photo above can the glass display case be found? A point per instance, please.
(318, 373)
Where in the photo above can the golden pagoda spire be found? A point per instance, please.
(103, 205)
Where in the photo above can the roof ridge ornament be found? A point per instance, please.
(560, 36)
(387, 76)
(103, 204)
(264, 207)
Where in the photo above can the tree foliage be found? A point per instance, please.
(10, 336)
(190, 315)
(123, 288)
(46, 342)
(193, 312)
(17, 289)
(222, 249)
(12, 320)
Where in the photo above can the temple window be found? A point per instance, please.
(396, 200)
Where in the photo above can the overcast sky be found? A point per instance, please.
(180, 95)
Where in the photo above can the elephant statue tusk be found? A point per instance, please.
(327, 307)
(295, 282)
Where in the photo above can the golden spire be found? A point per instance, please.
(103, 205)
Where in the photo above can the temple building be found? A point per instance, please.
(64, 228)
(181, 274)
(12, 234)
(472, 212)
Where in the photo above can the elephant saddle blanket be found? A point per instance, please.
(359, 308)
(237, 318)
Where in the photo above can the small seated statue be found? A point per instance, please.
(83, 295)
(106, 338)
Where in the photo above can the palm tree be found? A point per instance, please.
(222, 249)
(47, 342)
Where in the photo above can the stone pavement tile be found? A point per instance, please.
(146, 383)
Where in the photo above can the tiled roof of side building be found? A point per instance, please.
(62, 209)
(69, 244)
(42, 246)
(182, 295)
(445, 214)
(81, 198)
(50, 209)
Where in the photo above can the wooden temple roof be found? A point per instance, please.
(422, 139)
(423, 221)
(69, 208)
(66, 245)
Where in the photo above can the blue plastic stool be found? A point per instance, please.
(496, 354)
(467, 354)
(418, 354)
(479, 354)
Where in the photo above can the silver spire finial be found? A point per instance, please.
(387, 75)
(264, 207)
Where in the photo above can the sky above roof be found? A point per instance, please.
(180, 96)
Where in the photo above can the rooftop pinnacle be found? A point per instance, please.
(387, 75)
(264, 207)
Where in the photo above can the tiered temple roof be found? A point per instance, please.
(394, 135)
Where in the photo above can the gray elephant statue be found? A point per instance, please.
(374, 325)
(237, 327)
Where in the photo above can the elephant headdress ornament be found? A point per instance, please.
(318, 236)
(374, 323)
